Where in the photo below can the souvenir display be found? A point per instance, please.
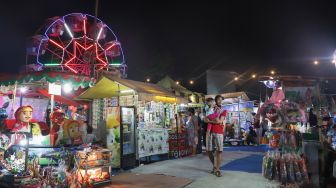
(285, 168)
(153, 142)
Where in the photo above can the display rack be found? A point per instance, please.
(94, 167)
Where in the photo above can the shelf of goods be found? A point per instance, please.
(285, 162)
(94, 167)
(178, 145)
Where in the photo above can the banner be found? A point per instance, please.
(113, 133)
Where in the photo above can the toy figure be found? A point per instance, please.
(72, 132)
(57, 118)
(23, 123)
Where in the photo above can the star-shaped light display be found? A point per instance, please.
(83, 59)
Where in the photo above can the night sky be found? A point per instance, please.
(183, 39)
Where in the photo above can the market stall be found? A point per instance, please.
(137, 117)
(178, 138)
(37, 119)
(239, 115)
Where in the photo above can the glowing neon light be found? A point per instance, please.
(68, 30)
(76, 62)
(115, 64)
(114, 44)
(100, 31)
(51, 64)
(55, 43)
(102, 61)
(83, 46)
(84, 26)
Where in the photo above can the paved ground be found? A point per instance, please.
(193, 172)
(197, 169)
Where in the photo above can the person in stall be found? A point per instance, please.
(192, 128)
(251, 137)
(328, 138)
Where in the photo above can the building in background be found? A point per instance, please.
(221, 82)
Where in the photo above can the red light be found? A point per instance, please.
(56, 44)
(114, 44)
(84, 25)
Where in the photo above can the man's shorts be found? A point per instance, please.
(215, 142)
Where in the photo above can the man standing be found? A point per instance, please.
(217, 136)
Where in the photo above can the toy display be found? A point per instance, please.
(285, 168)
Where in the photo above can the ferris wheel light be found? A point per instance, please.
(68, 30)
(84, 26)
(114, 44)
(100, 32)
(55, 43)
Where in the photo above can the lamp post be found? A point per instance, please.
(22, 90)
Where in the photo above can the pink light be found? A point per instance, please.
(84, 26)
(55, 43)
(114, 44)
(83, 46)
(102, 61)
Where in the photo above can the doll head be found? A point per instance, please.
(24, 114)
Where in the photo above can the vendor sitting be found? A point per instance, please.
(251, 137)
(329, 148)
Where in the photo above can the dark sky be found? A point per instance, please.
(183, 39)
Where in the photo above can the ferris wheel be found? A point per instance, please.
(79, 43)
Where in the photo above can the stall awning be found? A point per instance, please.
(109, 86)
(58, 98)
(77, 81)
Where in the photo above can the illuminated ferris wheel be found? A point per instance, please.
(78, 43)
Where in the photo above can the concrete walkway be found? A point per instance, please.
(197, 169)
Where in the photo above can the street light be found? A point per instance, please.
(177, 82)
(254, 76)
(191, 82)
(316, 62)
(148, 80)
(272, 72)
(22, 90)
(236, 78)
(67, 88)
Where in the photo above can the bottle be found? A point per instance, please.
(290, 169)
(269, 168)
(303, 169)
(283, 170)
(297, 172)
